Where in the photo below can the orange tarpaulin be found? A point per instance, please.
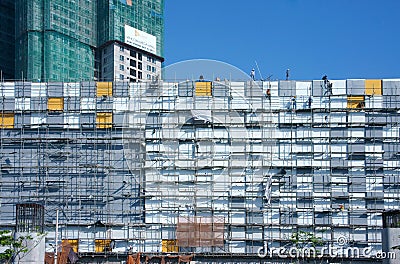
(200, 231)
(133, 259)
(185, 258)
(67, 254)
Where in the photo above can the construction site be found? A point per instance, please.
(67, 41)
(200, 171)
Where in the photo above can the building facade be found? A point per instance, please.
(216, 169)
(124, 62)
(63, 40)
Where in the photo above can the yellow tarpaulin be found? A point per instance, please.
(104, 120)
(355, 101)
(203, 88)
(7, 120)
(102, 245)
(55, 104)
(104, 88)
(169, 245)
(373, 87)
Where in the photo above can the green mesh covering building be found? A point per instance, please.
(7, 33)
(59, 40)
(145, 15)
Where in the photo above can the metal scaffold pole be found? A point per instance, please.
(56, 240)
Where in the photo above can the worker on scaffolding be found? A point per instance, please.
(330, 88)
(293, 99)
(269, 94)
(328, 85)
(253, 74)
(325, 79)
(309, 102)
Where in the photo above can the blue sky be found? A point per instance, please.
(341, 38)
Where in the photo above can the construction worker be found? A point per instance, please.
(269, 93)
(253, 74)
(330, 88)
(293, 103)
(328, 85)
(325, 79)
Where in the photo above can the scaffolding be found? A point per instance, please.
(132, 167)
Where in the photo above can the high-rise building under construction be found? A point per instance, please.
(208, 170)
(7, 39)
(82, 40)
